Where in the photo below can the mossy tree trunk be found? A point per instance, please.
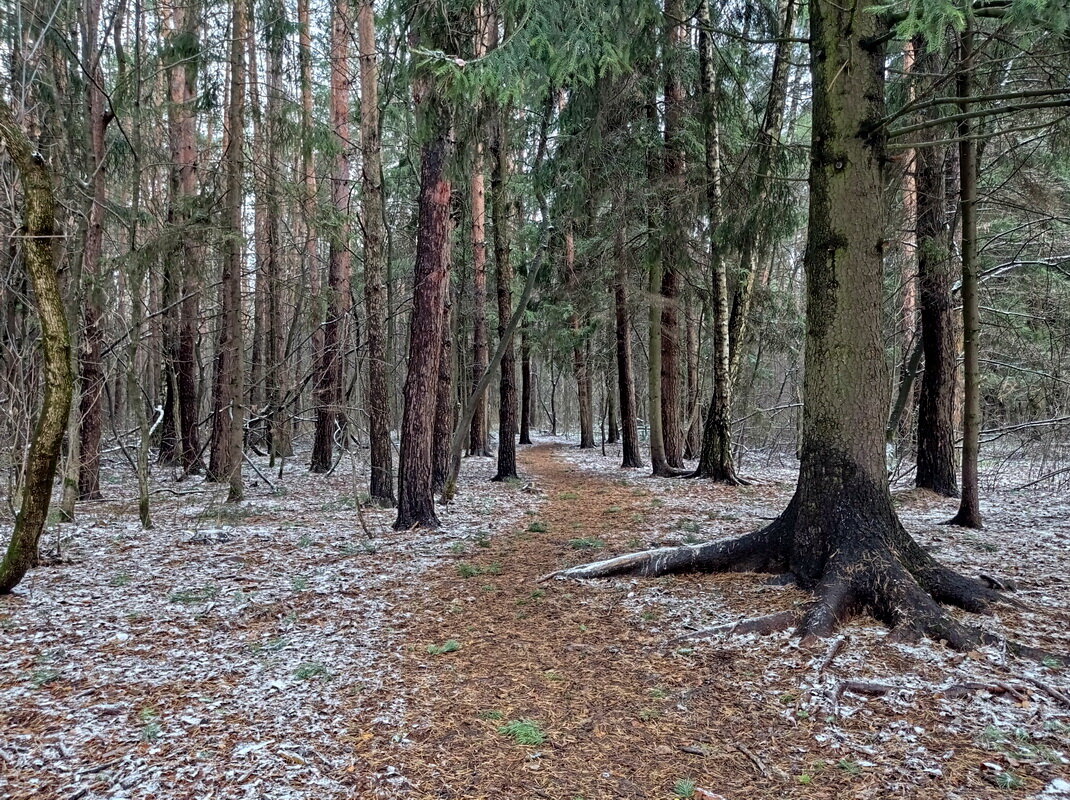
(39, 468)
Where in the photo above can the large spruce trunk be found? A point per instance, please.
(839, 535)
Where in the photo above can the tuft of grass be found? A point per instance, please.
(523, 731)
(305, 540)
(271, 645)
(449, 646)
(613, 510)
(468, 570)
(458, 548)
(684, 787)
(850, 767)
(586, 543)
(688, 525)
(42, 677)
(152, 729)
(299, 583)
(482, 540)
(200, 594)
(568, 496)
(538, 527)
(490, 714)
(1008, 780)
(120, 579)
(310, 670)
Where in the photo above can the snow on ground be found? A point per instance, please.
(228, 652)
(1016, 709)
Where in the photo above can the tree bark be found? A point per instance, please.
(91, 351)
(631, 457)
(477, 441)
(39, 467)
(500, 209)
(330, 389)
(525, 384)
(580, 365)
(969, 513)
(381, 487)
(715, 458)
(416, 502)
(674, 235)
(228, 414)
(936, 432)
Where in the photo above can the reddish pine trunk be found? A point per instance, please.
(416, 502)
(330, 417)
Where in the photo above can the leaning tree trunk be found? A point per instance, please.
(331, 382)
(969, 513)
(630, 453)
(416, 501)
(38, 243)
(839, 535)
(228, 417)
(715, 458)
(381, 487)
(936, 431)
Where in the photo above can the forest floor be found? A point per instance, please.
(296, 647)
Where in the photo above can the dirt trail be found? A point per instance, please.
(624, 716)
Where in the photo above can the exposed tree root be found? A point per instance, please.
(770, 623)
(880, 572)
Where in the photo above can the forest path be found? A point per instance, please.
(623, 716)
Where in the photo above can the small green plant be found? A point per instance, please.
(568, 496)
(850, 767)
(43, 677)
(1008, 780)
(151, 729)
(659, 693)
(538, 527)
(449, 646)
(458, 548)
(805, 779)
(299, 583)
(586, 543)
(468, 570)
(688, 525)
(523, 731)
(271, 645)
(635, 543)
(490, 714)
(553, 676)
(684, 787)
(310, 670)
(613, 510)
(482, 540)
(305, 540)
(120, 579)
(648, 714)
(200, 594)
